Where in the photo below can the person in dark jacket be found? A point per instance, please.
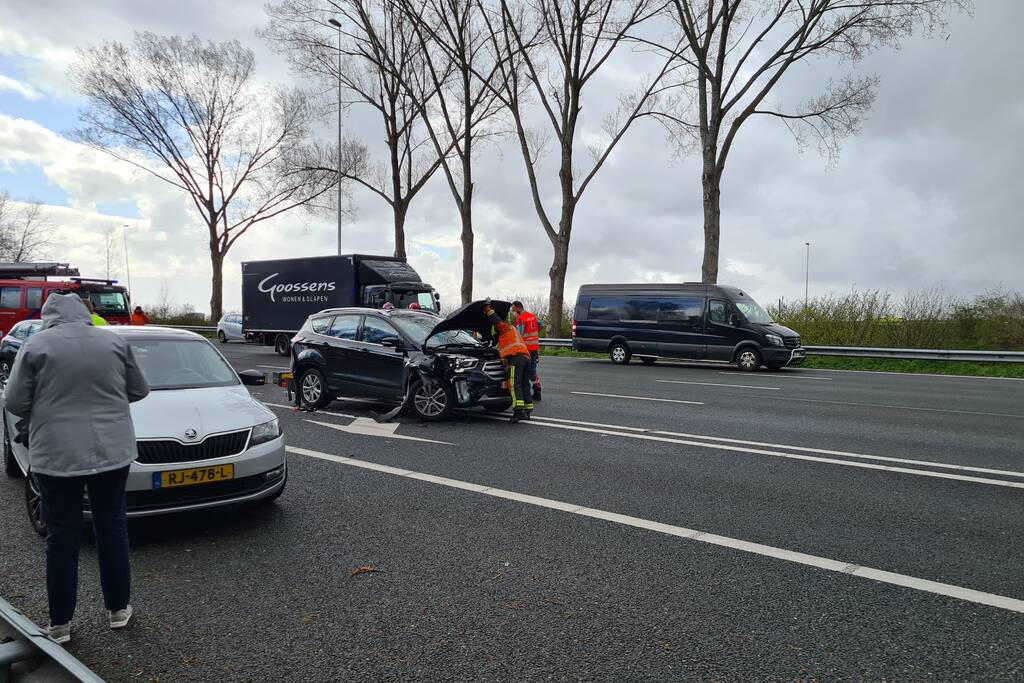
(73, 384)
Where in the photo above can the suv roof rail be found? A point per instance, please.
(42, 269)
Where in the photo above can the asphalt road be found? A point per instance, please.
(853, 526)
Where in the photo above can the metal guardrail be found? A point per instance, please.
(879, 352)
(849, 351)
(29, 642)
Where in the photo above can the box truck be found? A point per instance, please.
(278, 295)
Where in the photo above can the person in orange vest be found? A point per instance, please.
(138, 317)
(529, 327)
(516, 357)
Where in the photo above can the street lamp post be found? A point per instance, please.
(337, 25)
(127, 268)
(807, 273)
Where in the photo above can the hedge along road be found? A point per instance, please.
(500, 586)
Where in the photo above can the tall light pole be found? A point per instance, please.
(127, 268)
(337, 25)
(807, 273)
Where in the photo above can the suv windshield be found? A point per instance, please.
(417, 326)
(753, 311)
(181, 364)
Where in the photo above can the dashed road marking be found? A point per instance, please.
(776, 375)
(638, 398)
(712, 384)
(838, 566)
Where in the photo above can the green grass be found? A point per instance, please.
(932, 367)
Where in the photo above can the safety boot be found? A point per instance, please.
(517, 415)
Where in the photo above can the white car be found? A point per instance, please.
(229, 328)
(203, 441)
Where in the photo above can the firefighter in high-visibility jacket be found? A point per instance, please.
(516, 357)
(529, 327)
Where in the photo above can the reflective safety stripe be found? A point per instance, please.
(511, 344)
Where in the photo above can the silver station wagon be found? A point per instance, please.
(203, 441)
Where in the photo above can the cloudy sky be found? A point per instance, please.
(929, 195)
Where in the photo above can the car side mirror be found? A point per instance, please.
(252, 378)
(391, 342)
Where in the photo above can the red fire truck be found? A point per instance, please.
(25, 286)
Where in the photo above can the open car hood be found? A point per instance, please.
(471, 317)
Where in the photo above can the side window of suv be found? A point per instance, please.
(321, 325)
(718, 312)
(375, 331)
(345, 327)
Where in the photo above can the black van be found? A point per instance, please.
(690, 320)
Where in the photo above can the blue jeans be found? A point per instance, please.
(62, 512)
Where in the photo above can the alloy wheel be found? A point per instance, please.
(430, 402)
(5, 371)
(749, 360)
(312, 389)
(34, 505)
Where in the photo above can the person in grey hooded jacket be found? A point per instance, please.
(73, 384)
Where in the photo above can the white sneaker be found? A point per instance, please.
(119, 618)
(60, 634)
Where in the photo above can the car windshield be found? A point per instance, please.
(181, 364)
(417, 326)
(753, 312)
(109, 302)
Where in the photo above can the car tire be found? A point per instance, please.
(433, 406)
(619, 353)
(222, 337)
(313, 389)
(282, 345)
(34, 505)
(648, 360)
(748, 359)
(5, 370)
(10, 464)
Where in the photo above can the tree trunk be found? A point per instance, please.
(400, 211)
(466, 213)
(711, 181)
(217, 285)
(559, 268)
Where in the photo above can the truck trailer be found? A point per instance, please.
(278, 295)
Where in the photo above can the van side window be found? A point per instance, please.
(641, 309)
(718, 312)
(10, 297)
(681, 311)
(607, 308)
(34, 298)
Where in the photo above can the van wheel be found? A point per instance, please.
(431, 403)
(619, 353)
(313, 389)
(34, 505)
(648, 360)
(282, 345)
(748, 359)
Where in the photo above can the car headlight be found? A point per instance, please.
(262, 433)
(774, 339)
(465, 363)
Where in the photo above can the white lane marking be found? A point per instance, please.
(319, 412)
(805, 449)
(882, 576)
(638, 398)
(712, 384)
(790, 456)
(920, 374)
(776, 375)
(364, 426)
(883, 405)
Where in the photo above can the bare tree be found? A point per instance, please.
(461, 99)
(111, 254)
(740, 50)
(188, 112)
(380, 54)
(551, 50)
(25, 232)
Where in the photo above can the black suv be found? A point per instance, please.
(436, 363)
